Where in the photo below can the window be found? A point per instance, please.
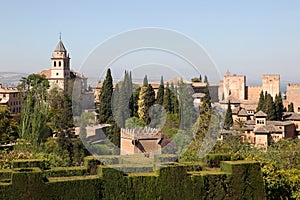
(56, 74)
(59, 63)
(54, 63)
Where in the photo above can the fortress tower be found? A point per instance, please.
(271, 84)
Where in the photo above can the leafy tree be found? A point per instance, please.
(8, 125)
(278, 107)
(228, 121)
(60, 112)
(291, 107)
(105, 111)
(35, 108)
(261, 102)
(160, 92)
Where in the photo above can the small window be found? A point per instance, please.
(56, 74)
(54, 64)
(59, 63)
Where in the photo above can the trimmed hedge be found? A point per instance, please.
(165, 158)
(66, 171)
(40, 163)
(236, 180)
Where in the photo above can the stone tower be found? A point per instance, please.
(271, 84)
(60, 67)
(234, 85)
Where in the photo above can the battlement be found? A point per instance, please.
(293, 85)
(140, 132)
(233, 180)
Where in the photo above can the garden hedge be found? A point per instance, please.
(234, 180)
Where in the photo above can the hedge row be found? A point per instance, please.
(236, 180)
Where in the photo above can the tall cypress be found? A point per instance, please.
(167, 103)
(105, 111)
(174, 99)
(146, 100)
(206, 79)
(270, 108)
(206, 99)
(160, 92)
(200, 78)
(228, 121)
(261, 102)
(278, 106)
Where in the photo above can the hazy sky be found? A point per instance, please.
(245, 37)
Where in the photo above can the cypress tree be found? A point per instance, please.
(200, 78)
(278, 106)
(145, 81)
(174, 99)
(270, 108)
(261, 102)
(205, 79)
(291, 107)
(206, 99)
(265, 102)
(146, 100)
(105, 111)
(160, 92)
(167, 103)
(187, 111)
(228, 121)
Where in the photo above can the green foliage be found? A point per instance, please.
(291, 107)
(160, 92)
(206, 101)
(8, 126)
(270, 108)
(278, 107)
(134, 102)
(34, 107)
(188, 114)
(228, 121)
(167, 101)
(240, 180)
(105, 111)
(60, 113)
(214, 160)
(261, 102)
(206, 79)
(134, 122)
(146, 100)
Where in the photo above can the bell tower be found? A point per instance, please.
(60, 65)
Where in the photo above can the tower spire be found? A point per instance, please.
(60, 36)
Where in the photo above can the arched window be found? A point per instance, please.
(59, 63)
(54, 63)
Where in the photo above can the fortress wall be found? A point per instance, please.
(293, 95)
(253, 92)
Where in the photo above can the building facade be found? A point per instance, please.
(9, 96)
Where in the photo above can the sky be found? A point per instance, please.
(245, 37)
